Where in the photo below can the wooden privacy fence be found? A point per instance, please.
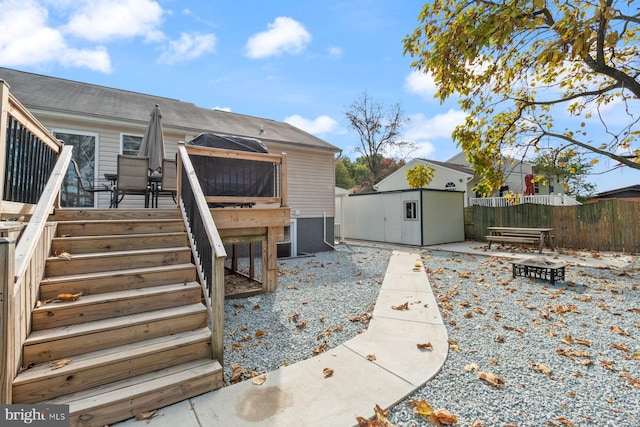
(608, 225)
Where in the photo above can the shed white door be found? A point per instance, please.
(392, 218)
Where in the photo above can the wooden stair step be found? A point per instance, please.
(62, 342)
(119, 260)
(113, 304)
(90, 370)
(112, 281)
(117, 242)
(125, 226)
(124, 399)
(115, 214)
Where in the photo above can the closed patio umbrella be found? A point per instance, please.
(152, 144)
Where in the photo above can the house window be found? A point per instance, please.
(450, 186)
(411, 211)
(536, 187)
(131, 144)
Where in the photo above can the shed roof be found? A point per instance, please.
(68, 97)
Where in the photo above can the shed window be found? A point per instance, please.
(411, 210)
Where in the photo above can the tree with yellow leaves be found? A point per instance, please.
(517, 66)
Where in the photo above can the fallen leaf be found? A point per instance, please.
(371, 357)
(566, 422)
(478, 423)
(236, 346)
(634, 381)
(64, 254)
(145, 415)
(260, 333)
(404, 306)
(421, 407)
(59, 363)
(301, 325)
(491, 379)
(380, 419)
(425, 346)
(471, 367)
(621, 347)
(69, 297)
(237, 371)
(444, 416)
(617, 330)
(539, 367)
(259, 380)
(327, 372)
(453, 344)
(607, 364)
(256, 307)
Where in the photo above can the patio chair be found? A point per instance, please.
(89, 187)
(169, 182)
(132, 178)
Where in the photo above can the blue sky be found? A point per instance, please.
(302, 62)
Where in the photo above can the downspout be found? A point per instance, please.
(324, 216)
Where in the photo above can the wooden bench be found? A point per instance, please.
(539, 236)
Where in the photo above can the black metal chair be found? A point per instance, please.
(89, 187)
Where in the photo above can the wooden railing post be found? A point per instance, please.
(4, 112)
(7, 320)
(284, 198)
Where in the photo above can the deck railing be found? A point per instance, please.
(547, 199)
(207, 247)
(28, 153)
(32, 167)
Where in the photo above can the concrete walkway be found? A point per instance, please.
(300, 395)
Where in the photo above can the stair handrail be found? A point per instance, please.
(21, 281)
(206, 246)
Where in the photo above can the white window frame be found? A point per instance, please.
(408, 213)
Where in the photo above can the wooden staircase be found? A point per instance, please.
(137, 338)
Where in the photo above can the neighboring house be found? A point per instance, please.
(412, 217)
(631, 192)
(447, 176)
(102, 122)
(515, 173)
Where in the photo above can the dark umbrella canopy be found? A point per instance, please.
(152, 144)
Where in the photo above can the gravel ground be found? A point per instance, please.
(568, 354)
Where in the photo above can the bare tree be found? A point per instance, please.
(379, 130)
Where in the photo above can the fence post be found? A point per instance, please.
(7, 327)
(4, 112)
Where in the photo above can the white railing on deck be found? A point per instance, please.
(548, 199)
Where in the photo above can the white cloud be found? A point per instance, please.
(429, 128)
(111, 19)
(27, 39)
(421, 84)
(335, 52)
(97, 60)
(187, 47)
(284, 35)
(319, 125)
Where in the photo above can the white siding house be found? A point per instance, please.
(102, 122)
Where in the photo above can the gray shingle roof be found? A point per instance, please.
(82, 99)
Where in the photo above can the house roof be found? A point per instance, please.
(623, 190)
(72, 98)
(459, 168)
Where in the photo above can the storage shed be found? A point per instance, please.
(418, 217)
